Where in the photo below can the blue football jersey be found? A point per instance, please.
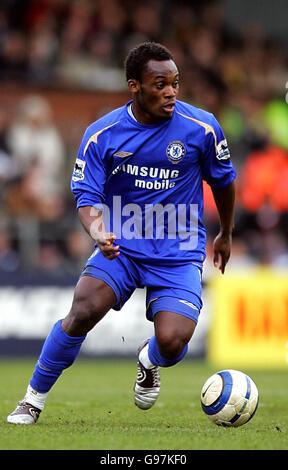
(148, 180)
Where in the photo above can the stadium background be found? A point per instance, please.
(61, 67)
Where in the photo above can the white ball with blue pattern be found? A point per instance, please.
(229, 398)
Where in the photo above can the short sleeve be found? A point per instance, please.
(217, 167)
(89, 175)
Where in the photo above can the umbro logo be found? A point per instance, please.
(122, 154)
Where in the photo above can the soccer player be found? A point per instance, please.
(137, 181)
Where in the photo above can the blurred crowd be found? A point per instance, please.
(241, 76)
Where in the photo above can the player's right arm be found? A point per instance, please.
(93, 223)
(87, 184)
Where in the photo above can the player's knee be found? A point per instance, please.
(171, 346)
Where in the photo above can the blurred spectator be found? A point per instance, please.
(39, 153)
(8, 169)
(50, 261)
(9, 259)
(75, 28)
(4, 129)
(146, 20)
(13, 57)
(264, 180)
(79, 247)
(47, 35)
(42, 50)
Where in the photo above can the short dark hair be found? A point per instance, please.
(138, 57)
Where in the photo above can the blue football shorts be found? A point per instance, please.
(174, 288)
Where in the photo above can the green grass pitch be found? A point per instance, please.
(91, 408)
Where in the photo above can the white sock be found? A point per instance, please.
(35, 398)
(144, 358)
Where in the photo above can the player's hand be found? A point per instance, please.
(105, 243)
(222, 249)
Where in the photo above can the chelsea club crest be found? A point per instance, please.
(176, 151)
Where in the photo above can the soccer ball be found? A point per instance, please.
(229, 398)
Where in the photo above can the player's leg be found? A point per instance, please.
(166, 348)
(174, 308)
(104, 284)
(92, 300)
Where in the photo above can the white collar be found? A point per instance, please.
(129, 109)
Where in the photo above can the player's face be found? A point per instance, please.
(155, 95)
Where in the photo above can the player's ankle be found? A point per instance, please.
(35, 398)
(144, 357)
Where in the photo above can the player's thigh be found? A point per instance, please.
(120, 274)
(93, 298)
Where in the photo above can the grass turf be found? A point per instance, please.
(91, 407)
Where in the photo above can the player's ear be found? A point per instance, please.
(133, 85)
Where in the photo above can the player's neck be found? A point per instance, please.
(142, 116)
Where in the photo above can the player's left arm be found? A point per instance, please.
(225, 200)
(218, 171)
